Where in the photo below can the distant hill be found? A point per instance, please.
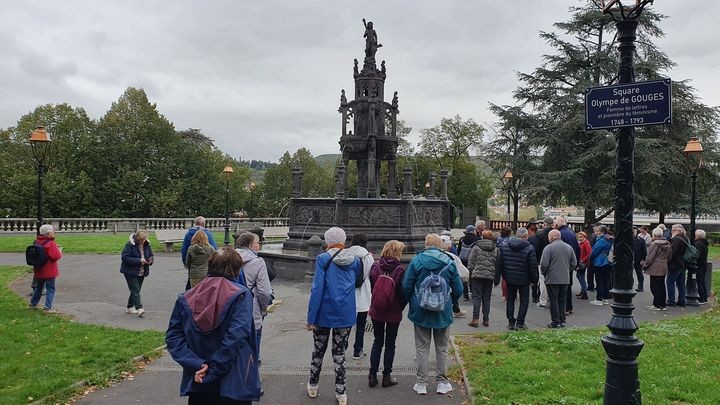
(329, 158)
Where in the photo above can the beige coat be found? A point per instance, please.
(657, 257)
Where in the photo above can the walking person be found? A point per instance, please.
(212, 336)
(136, 259)
(483, 270)
(197, 257)
(676, 266)
(256, 279)
(599, 256)
(363, 291)
(331, 309)
(386, 309)
(46, 273)
(639, 254)
(430, 283)
(187, 241)
(557, 260)
(585, 250)
(655, 266)
(701, 244)
(517, 264)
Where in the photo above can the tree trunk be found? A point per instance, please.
(516, 204)
(661, 217)
(589, 220)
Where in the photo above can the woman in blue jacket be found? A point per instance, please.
(600, 258)
(212, 336)
(136, 259)
(332, 309)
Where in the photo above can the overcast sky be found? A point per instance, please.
(263, 77)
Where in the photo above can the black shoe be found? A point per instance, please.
(670, 304)
(511, 326)
(466, 298)
(372, 379)
(591, 289)
(639, 290)
(521, 327)
(388, 381)
(553, 325)
(562, 325)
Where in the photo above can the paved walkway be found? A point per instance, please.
(92, 290)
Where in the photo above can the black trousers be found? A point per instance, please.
(657, 288)
(556, 298)
(212, 398)
(513, 290)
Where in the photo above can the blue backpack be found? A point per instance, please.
(433, 292)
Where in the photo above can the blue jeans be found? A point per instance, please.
(676, 277)
(49, 284)
(258, 335)
(385, 335)
(583, 283)
(513, 290)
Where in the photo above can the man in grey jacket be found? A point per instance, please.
(256, 278)
(556, 261)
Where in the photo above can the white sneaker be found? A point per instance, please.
(653, 308)
(341, 398)
(596, 302)
(420, 389)
(312, 390)
(141, 312)
(131, 310)
(444, 387)
(606, 302)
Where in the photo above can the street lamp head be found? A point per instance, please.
(623, 12)
(508, 175)
(693, 154)
(40, 142)
(228, 171)
(252, 186)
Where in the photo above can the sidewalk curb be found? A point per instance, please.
(458, 358)
(83, 383)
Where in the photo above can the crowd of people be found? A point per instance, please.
(216, 325)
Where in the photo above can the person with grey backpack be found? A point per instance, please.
(430, 284)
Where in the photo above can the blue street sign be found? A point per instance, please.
(628, 105)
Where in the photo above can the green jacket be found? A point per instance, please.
(431, 259)
(196, 260)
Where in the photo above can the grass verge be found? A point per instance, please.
(44, 354)
(87, 242)
(679, 364)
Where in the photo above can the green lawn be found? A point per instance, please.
(713, 253)
(87, 242)
(679, 364)
(43, 354)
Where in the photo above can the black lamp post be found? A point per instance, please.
(40, 142)
(508, 182)
(622, 385)
(228, 171)
(694, 155)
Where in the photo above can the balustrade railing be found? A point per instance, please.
(27, 225)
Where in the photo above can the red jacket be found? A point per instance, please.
(585, 250)
(49, 269)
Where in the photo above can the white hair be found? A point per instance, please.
(657, 232)
(521, 233)
(560, 221)
(200, 221)
(480, 223)
(46, 229)
(661, 226)
(699, 233)
(679, 228)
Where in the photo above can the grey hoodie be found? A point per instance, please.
(258, 282)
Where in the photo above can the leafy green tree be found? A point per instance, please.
(575, 166)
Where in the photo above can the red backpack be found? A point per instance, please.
(383, 292)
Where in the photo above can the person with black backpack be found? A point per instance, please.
(43, 255)
(430, 284)
(386, 309)
(464, 248)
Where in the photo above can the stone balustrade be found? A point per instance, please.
(28, 225)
